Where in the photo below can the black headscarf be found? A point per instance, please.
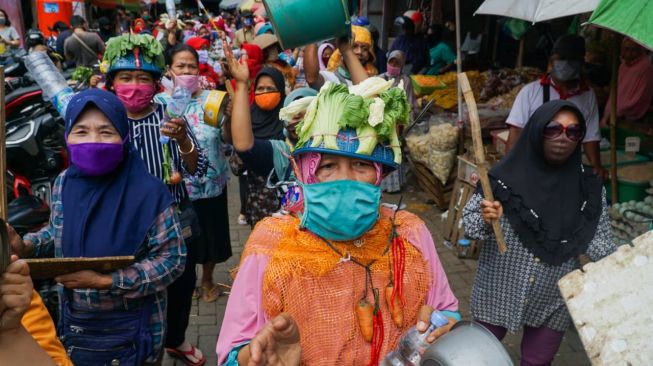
(266, 124)
(554, 209)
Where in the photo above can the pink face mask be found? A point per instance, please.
(393, 71)
(190, 82)
(135, 97)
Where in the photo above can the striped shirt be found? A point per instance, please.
(160, 259)
(145, 133)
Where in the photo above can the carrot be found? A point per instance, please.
(175, 178)
(365, 314)
(394, 304)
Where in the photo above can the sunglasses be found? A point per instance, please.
(555, 129)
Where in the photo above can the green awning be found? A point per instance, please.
(632, 18)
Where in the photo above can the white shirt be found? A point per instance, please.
(531, 97)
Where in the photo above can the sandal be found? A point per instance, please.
(183, 356)
(197, 293)
(210, 294)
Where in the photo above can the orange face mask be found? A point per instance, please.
(268, 101)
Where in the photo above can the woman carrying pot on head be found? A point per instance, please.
(351, 63)
(313, 272)
(135, 64)
(107, 204)
(209, 192)
(551, 211)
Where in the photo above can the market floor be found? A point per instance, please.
(206, 318)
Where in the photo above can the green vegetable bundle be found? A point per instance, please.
(372, 108)
(120, 46)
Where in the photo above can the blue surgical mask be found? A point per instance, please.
(340, 210)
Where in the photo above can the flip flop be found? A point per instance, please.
(210, 294)
(197, 293)
(183, 356)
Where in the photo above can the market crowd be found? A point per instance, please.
(312, 135)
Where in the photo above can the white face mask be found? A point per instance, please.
(203, 56)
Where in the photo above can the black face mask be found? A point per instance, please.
(3, 21)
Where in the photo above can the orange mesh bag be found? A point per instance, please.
(320, 289)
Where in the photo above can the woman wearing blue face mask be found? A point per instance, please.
(107, 204)
(340, 254)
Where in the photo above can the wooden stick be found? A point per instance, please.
(479, 154)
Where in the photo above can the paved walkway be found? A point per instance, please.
(206, 319)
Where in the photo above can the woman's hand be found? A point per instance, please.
(15, 294)
(238, 69)
(85, 279)
(94, 81)
(277, 344)
(491, 210)
(424, 319)
(175, 128)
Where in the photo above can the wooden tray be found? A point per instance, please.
(40, 268)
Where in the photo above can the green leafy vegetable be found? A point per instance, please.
(82, 74)
(368, 139)
(337, 110)
(120, 46)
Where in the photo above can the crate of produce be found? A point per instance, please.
(632, 182)
(500, 140)
(426, 84)
(438, 192)
(623, 158)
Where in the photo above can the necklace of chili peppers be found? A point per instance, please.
(396, 244)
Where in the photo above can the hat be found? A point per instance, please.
(262, 28)
(105, 101)
(415, 16)
(197, 42)
(265, 40)
(359, 121)
(298, 94)
(569, 47)
(134, 52)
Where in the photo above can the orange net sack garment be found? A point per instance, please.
(312, 283)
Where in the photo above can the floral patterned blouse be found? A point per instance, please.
(209, 138)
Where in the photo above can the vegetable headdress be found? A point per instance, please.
(360, 121)
(134, 52)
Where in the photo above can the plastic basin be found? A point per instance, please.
(300, 22)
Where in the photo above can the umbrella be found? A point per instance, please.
(230, 4)
(635, 20)
(630, 18)
(537, 10)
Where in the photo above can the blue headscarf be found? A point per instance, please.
(109, 215)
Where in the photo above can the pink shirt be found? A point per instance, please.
(244, 315)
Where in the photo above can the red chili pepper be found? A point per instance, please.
(377, 338)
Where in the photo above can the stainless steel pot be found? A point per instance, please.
(467, 344)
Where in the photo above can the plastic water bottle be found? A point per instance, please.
(413, 344)
(464, 245)
(171, 9)
(45, 73)
(175, 109)
(50, 80)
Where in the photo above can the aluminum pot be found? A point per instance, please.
(467, 344)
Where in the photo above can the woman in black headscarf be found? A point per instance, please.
(269, 93)
(551, 209)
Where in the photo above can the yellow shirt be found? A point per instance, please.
(39, 324)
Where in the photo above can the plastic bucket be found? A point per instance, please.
(300, 22)
(214, 106)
